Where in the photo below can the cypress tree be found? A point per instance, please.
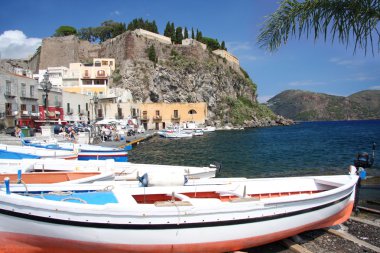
(178, 35)
(223, 46)
(167, 30)
(172, 30)
(186, 33)
(192, 33)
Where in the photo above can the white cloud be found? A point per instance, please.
(345, 62)
(375, 87)
(264, 99)
(306, 83)
(115, 13)
(238, 46)
(15, 45)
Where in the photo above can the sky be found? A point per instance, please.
(302, 64)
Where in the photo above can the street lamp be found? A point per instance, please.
(46, 87)
(96, 100)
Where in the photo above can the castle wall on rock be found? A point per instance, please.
(61, 51)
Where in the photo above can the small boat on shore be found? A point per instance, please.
(179, 218)
(20, 152)
(58, 177)
(123, 170)
(85, 151)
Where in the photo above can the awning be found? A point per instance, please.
(52, 121)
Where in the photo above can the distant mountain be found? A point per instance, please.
(311, 106)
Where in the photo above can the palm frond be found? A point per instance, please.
(345, 20)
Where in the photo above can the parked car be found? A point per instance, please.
(11, 131)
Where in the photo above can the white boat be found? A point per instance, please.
(72, 177)
(36, 152)
(122, 170)
(177, 133)
(85, 151)
(193, 218)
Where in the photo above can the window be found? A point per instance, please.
(33, 108)
(23, 90)
(23, 107)
(100, 82)
(192, 111)
(32, 91)
(111, 63)
(86, 82)
(86, 73)
(104, 63)
(101, 73)
(8, 109)
(68, 107)
(157, 113)
(8, 88)
(175, 113)
(97, 64)
(86, 106)
(78, 109)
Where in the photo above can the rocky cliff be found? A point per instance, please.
(310, 106)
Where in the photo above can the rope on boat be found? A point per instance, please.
(108, 188)
(73, 198)
(22, 182)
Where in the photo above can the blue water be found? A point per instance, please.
(310, 148)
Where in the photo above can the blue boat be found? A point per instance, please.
(85, 151)
(14, 155)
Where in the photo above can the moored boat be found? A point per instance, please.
(58, 177)
(85, 151)
(122, 170)
(41, 153)
(193, 218)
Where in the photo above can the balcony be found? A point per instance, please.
(9, 94)
(25, 114)
(176, 117)
(157, 118)
(144, 117)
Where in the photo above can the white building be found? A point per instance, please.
(193, 42)
(77, 107)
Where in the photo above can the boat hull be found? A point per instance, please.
(19, 242)
(246, 227)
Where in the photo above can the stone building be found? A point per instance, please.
(19, 102)
(153, 36)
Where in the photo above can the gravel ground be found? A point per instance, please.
(365, 232)
(319, 241)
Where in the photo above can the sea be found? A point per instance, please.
(306, 148)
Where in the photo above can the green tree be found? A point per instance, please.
(341, 19)
(178, 35)
(152, 54)
(65, 31)
(172, 28)
(108, 30)
(223, 46)
(139, 23)
(199, 36)
(186, 33)
(192, 33)
(212, 44)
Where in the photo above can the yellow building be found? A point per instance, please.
(89, 78)
(162, 115)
